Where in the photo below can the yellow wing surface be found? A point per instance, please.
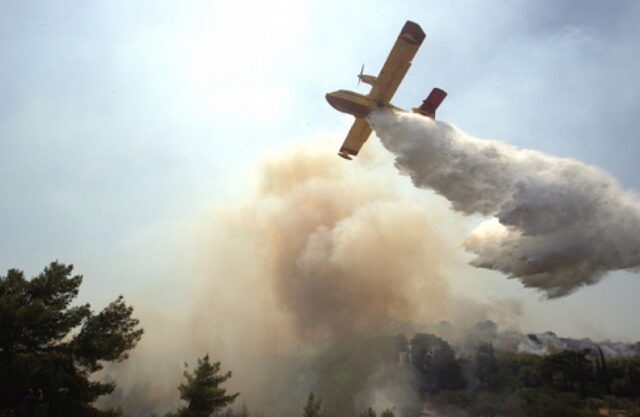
(397, 63)
(386, 84)
(357, 136)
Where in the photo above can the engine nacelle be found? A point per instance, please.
(367, 79)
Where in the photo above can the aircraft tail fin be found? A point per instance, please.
(431, 103)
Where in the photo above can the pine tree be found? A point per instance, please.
(46, 342)
(202, 391)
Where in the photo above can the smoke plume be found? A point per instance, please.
(323, 259)
(559, 224)
(301, 287)
(344, 254)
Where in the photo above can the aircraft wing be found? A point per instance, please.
(356, 137)
(398, 62)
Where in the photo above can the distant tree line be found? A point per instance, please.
(490, 383)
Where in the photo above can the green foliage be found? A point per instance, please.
(495, 404)
(519, 370)
(567, 371)
(46, 342)
(487, 370)
(107, 336)
(461, 398)
(624, 377)
(436, 363)
(202, 391)
(567, 383)
(387, 413)
(542, 403)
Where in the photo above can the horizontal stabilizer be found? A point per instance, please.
(431, 103)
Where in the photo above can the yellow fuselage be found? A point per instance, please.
(354, 103)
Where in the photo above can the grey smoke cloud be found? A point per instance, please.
(558, 223)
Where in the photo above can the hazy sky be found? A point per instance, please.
(121, 122)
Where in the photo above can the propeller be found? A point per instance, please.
(360, 75)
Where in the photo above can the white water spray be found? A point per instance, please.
(558, 223)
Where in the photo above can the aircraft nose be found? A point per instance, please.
(330, 99)
(334, 101)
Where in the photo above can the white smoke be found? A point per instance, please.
(559, 223)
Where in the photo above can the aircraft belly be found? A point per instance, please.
(359, 107)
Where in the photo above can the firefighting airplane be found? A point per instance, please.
(383, 87)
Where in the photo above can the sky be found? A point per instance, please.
(122, 123)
